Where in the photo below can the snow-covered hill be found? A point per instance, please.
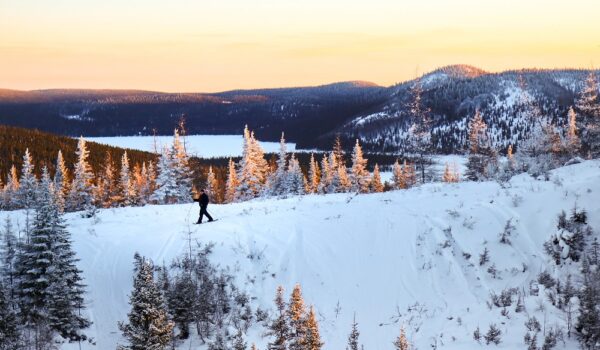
(395, 258)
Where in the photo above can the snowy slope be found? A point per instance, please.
(388, 257)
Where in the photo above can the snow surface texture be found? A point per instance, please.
(204, 146)
(387, 257)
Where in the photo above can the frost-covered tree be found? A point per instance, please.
(231, 183)
(313, 175)
(297, 320)
(279, 328)
(312, 339)
(126, 184)
(573, 144)
(252, 169)
(81, 192)
(277, 182)
(10, 189)
(8, 254)
(106, 188)
(27, 183)
(353, 337)
(479, 149)
(181, 169)
(294, 179)
(376, 185)
(588, 320)
(420, 131)
(328, 174)
(398, 178)
(238, 341)
(588, 105)
(493, 335)
(360, 175)
(148, 325)
(344, 184)
(409, 174)
(61, 180)
(401, 343)
(211, 184)
(10, 336)
(167, 190)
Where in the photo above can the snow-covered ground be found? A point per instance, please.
(395, 258)
(205, 146)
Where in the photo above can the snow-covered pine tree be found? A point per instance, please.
(277, 182)
(27, 183)
(478, 148)
(401, 343)
(126, 184)
(338, 150)
(297, 320)
(65, 289)
(313, 175)
(420, 130)
(360, 178)
(8, 254)
(150, 179)
(107, 192)
(279, 327)
(588, 320)
(181, 169)
(10, 189)
(211, 185)
(142, 184)
(231, 183)
(326, 175)
(447, 177)
(238, 341)
(343, 180)
(399, 180)
(61, 181)
(588, 105)
(81, 192)
(573, 144)
(148, 325)
(376, 185)
(252, 169)
(10, 336)
(410, 175)
(312, 339)
(167, 190)
(353, 337)
(294, 178)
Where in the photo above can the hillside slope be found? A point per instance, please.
(392, 259)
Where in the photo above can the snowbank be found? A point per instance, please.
(396, 258)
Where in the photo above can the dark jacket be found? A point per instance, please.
(203, 200)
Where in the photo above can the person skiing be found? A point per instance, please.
(203, 200)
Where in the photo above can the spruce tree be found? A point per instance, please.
(211, 185)
(313, 175)
(401, 343)
(353, 337)
(277, 183)
(297, 318)
(343, 180)
(588, 321)
(231, 183)
(167, 190)
(181, 170)
(573, 143)
(127, 187)
(376, 185)
(399, 179)
(420, 131)
(238, 341)
(312, 338)
(148, 326)
(360, 175)
(279, 327)
(588, 105)
(478, 148)
(294, 179)
(27, 183)
(11, 189)
(8, 254)
(61, 181)
(10, 337)
(81, 192)
(252, 170)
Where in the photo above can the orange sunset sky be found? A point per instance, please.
(214, 45)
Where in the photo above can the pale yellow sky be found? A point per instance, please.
(215, 45)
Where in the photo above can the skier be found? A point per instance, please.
(203, 201)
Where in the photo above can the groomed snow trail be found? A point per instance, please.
(396, 258)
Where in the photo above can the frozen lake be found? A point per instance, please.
(204, 146)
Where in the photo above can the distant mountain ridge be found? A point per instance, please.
(310, 116)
